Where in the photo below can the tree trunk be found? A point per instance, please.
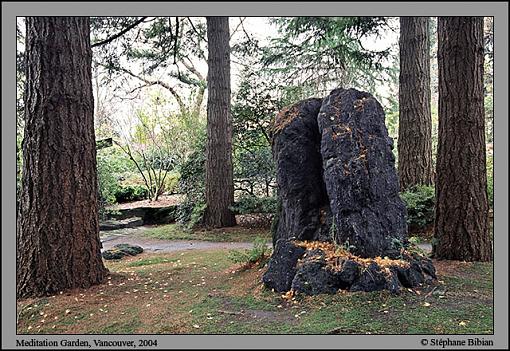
(461, 225)
(58, 244)
(415, 121)
(219, 182)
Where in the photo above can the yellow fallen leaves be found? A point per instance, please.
(335, 253)
(289, 295)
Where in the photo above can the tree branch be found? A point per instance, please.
(119, 34)
(177, 97)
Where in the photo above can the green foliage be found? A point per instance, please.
(131, 193)
(159, 143)
(192, 183)
(315, 51)
(258, 254)
(171, 185)
(420, 202)
(107, 181)
(415, 240)
(191, 213)
(192, 174)
(254, 170)
(253, 110)
(112, 165)
(253, 204)
(197, 214)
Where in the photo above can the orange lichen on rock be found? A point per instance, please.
(284, 117)
(359, 104)
(343, 130)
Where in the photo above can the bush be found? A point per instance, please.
(131, 193)
(420, 202)
(197, 214)
(253, 204)
(258, 254)
(192, 174)
(192, 183)
(172, 182)
(108, 183)
(190, 214)
(254, 171)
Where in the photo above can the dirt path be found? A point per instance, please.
(132, 236)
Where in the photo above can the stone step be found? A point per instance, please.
(113, 224)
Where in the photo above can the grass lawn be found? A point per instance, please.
(234, 234)
(204, 292)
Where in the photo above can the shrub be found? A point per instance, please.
(197, 214)
(131, 193)
(420, 202)
(192, 183)
(107, 182)
(253, 204)
(190, 214)
(172, 182)
(258, 254)
(192, 175)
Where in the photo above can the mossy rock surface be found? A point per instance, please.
(121, 250)
(129, 249)
(113, 254)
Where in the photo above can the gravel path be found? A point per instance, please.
(132, 236)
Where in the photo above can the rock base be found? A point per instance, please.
(313, 268)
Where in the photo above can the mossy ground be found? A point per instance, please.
(204, 292)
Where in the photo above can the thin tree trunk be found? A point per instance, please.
(58, 244)
(415, 121)
(219, 182)
(461, 225)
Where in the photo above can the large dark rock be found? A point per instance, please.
(337, 182)
(149, 215)
(314, 278)
(282, 266)
(121, 250)
(301, 190)
(128, 249)
(160, 215)
(371, 279)
(359, 173)
(348, 274)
